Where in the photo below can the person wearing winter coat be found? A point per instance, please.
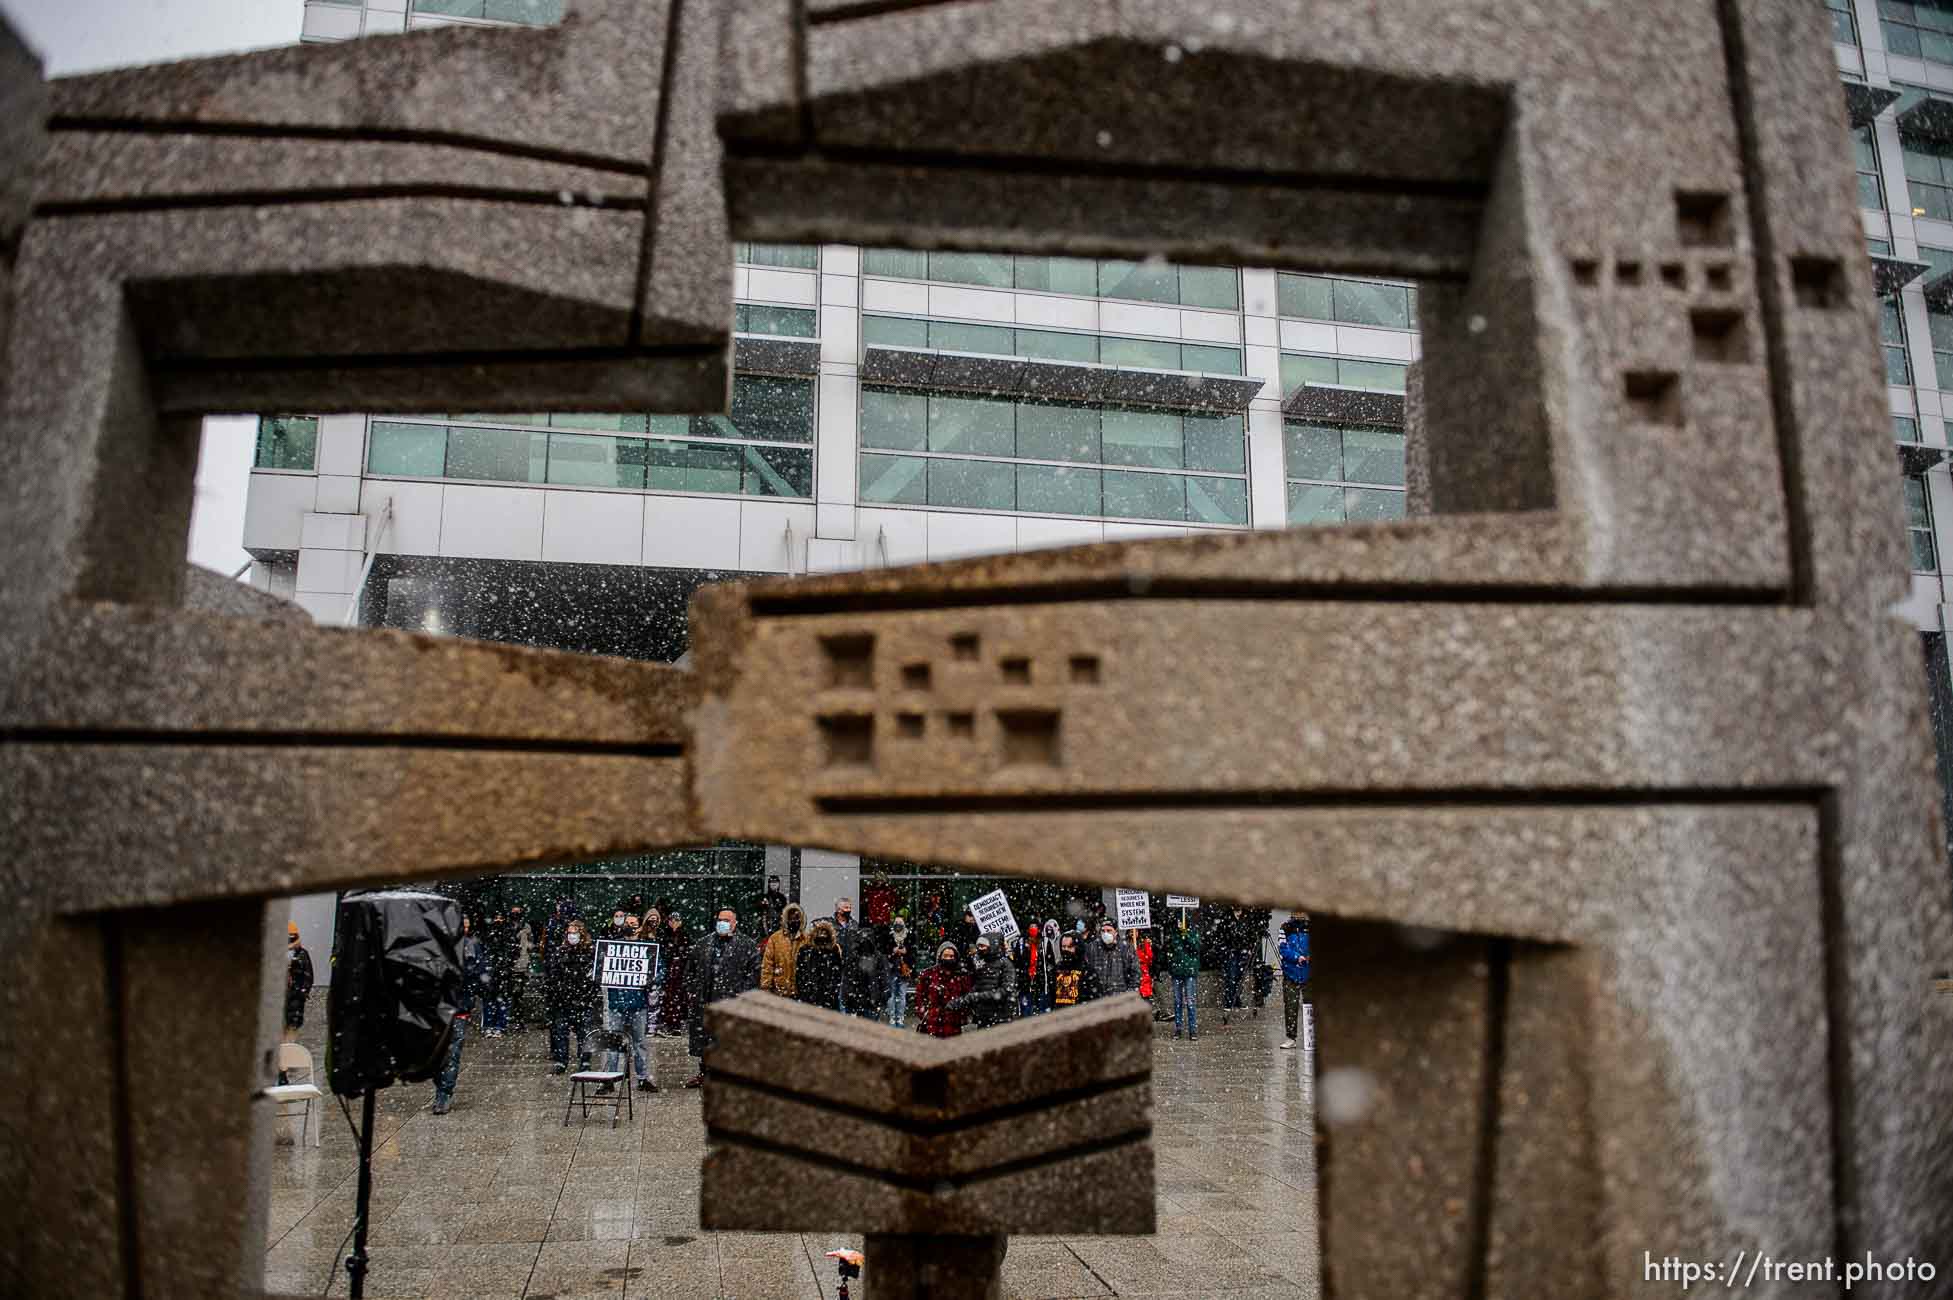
(1183, 962)
(900, 955)
(1024, 957)
(1115, 969)
(570, 992)
(298, 981)
(723, 964)
(936, 992)
(773, 906)
(677, 1009)
(821, 972)
(1141, 942)
(1073, 982)
(992, 999)
(782, 952)
(476, 978)
(1048, 936)
(629, 1012)
(866, 994)
(965, 936)
(1295, 974)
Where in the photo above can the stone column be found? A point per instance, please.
(903, 1267)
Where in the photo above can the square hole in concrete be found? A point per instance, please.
(915, 677)
(1017, 672)
(1030, 736)
(1818, 282)
(1721, 335)
(1719, 277)
(1085, 670)
(849, 739)
(850, 659)
(961, 725)
(910, 726)
(965, 646)
(1628, 272)
(1674, 275)
(1586, 272)
(1653, 396)
(1702, 219)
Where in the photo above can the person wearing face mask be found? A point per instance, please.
(298, 981)
(1114, 966)
(723, 964)
(677, 1010)
(992, 999)
(1183, 963)
(773, 904)
(627, 1012)
(779, 960)
(936, 992)
(1073, 982)
(822, 969)
(571, 993)
(901, 971)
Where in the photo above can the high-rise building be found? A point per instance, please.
(893, 407)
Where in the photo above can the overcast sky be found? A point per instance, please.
(87, 35)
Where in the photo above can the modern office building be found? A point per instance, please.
(893, 407)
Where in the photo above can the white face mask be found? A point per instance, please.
(617, 920)
(725, 927)
(573, 938)
(1108, 938)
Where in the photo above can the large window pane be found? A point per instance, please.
(1216, 442)
(993, 270)
(693, 467)
(1055, 490)
(1364, 504)
(1054, 346)
(953, 337)
(1210, 286)
(791, 322)
(974, 426)
(1217, 500)
(974, 484)
(1313, 450)
(1051, 431)
(1210, 360)
(595, 461)
(778, 472)
(777, 410)
(287, 442)
(800, 257)
(1314, 503)
(1150, 354)
(1144, 496)
(1298, 370)
(894, 332)
(503, 455)
(1370, 374)
(417, 449)
(608, 423)
(1153, 280)
(1358, 302)
(1143, 437)
(899, 421)
(1307, 296)
(908, 263)
(898, 480)
(1058, 274)
(1373, 455)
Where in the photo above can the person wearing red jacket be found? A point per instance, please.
(935, 989)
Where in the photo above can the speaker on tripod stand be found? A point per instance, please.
(396, 982)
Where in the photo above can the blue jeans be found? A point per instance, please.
(898, 1002)
(560, 1025)
(632, 1025)
(451, 1068)
(495, 1014)
(1183, 1003)
(1234, 966)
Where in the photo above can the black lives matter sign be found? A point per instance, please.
(625, 964)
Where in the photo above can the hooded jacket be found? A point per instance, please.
(821, 969)
(782, 952)
(937, 990)
(1295, 954)
(1114, 969)
(992, 999)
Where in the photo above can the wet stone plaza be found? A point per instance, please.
(498, 1199)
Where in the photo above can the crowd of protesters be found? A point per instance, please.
(952, 979)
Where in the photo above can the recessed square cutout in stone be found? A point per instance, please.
(1702, 220)
(1085, 670)
(1818, 282)
(1030, 737)
(965, 646)
(1017, 672)
(915, 677)
(1675, 275)
(1721, 335)
(1586, 272)
(1653, 396)
(849, 739)
(911, 726)
(1628, 272)
(961, 725)
(850, 659)
(1719, 277)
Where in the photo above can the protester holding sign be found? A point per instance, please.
(1135, 909)
(631, 973)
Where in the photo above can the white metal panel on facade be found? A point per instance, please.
(593, 527)
(491, 523)
(275, 509)
(691, 532)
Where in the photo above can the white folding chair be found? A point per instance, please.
(293, 1059)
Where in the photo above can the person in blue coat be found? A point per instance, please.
(1295, 973)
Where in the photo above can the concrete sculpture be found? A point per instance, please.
(1643, 695)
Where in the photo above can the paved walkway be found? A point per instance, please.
(498, 1199)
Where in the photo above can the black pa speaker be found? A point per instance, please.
(396, 982)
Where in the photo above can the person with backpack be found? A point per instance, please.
(1183, 963)
(1295, 974)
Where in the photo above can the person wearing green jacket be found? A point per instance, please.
(1183, 963)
